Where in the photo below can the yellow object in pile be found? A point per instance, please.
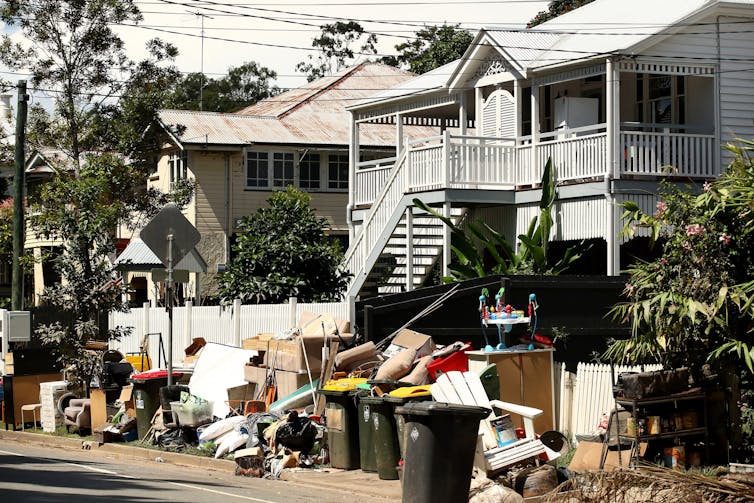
(136, 362)
(408, 391)
(345, 384)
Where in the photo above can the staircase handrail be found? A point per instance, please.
(375, 207)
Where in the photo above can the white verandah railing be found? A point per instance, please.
(455, 161)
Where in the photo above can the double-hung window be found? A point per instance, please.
(257, 169)
(309, 171)
(178, 166)
(337, 172)
(282, 169)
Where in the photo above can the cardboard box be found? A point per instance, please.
(288, 355)
(423, 344)
(286, 382)
(588, 454)
(126, 397)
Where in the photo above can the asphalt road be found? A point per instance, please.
(31, 474)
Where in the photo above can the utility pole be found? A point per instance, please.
(18, 200)
(201, 68)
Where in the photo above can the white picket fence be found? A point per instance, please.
(583, 397)
(224, 325)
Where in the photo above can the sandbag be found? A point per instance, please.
(397, 366)
(230, 443)
(218, 428)
(420, 374)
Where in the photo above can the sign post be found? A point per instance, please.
(171, 237)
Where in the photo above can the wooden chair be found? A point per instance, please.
(466, 389)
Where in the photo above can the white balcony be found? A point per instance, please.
(474, 162)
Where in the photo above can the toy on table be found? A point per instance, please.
(483, 314)
(533, 306)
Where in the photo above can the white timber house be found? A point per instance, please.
(620, 95)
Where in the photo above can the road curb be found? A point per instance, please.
(140, 453)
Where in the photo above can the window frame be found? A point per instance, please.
(307, 162)
(340, 161)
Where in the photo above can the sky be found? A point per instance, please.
(278, 35)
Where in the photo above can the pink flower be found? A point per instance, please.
(686, 245)
(661, 208)
(694, 230)
(629, 289)
(664, 261)
(707, 185)
(725, 239)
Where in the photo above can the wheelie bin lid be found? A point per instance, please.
(343, 385)
(153, 374)
(402, 396)
(441, 408)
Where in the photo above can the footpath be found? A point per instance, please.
(351, 481)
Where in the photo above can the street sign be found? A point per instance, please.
(170, 221)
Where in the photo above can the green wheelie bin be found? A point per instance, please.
(147, 397)
(367, 454)
(384, 436)
(402, 396)
(342, 423)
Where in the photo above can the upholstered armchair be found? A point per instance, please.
(78, 414)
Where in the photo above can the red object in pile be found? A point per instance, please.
(458, 360)
(155, 374)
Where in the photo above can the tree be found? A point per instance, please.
(532, 255)
(555, 9)
(334, 46)
(74, 54)
(282, 251)
(694, 303)
(243, 86)
(433, 47)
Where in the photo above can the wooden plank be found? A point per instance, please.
(327, 368)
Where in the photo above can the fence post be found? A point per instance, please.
(187, 330)
(236, 314)
(292, 313)
(145, 315)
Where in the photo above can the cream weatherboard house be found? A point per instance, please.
(297, 138)
(614, 92)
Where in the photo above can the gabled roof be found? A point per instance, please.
(434, 79)
(314, 114)
(593, 31)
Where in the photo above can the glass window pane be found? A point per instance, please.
(257, 169)
(282, 174)
(337, 172)
(309, 171)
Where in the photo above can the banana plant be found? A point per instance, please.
(467, 244)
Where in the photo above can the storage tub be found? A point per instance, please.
(191, 414)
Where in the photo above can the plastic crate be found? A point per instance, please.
(190, 414)
(455, 361)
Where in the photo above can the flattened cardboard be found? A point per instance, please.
(587, 457)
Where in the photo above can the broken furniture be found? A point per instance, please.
(78, 414)
(525, 376)
(33, 408)
(20, 390)
(49, 394)
(467, 389)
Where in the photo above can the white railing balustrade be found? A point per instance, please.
(576, 153)
(650, 153)
(370, 179)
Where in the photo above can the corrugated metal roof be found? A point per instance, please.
(608, 26)
(314, 114)
(434, 79)
(137, 256)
